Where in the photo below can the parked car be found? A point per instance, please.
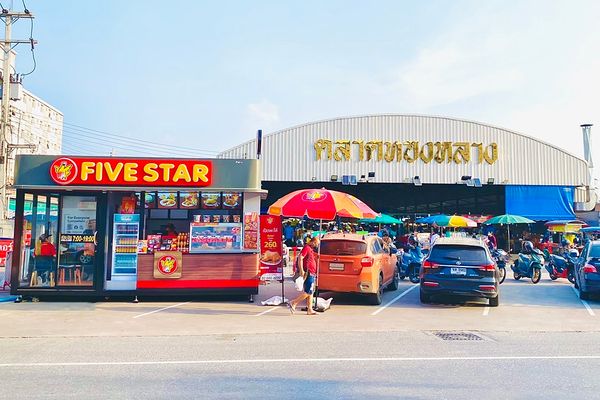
(352, 263)
(587, 270)
(460, 267)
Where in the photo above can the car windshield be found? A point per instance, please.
(343, 247)
(443, 254)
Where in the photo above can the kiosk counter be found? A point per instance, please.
(136, 226)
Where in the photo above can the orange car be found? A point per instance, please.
(352, 263)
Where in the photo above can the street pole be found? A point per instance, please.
(5, 114)
(9, 17)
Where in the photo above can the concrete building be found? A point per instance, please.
(36, 128)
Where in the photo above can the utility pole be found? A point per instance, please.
(8, 17)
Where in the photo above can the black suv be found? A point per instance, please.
(459, 267)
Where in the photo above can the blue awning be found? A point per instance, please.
(540, 203)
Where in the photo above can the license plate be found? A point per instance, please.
(336, 267)
(458, 271)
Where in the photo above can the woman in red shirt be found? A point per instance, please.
(307, 266)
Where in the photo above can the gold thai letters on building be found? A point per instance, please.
(408, 151)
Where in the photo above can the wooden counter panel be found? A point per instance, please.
(207, 267)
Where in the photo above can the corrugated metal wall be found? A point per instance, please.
(289, 155)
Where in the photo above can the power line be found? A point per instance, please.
(77, 129)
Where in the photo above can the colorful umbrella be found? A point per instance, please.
(508, 219)
(381, 219)
(321, 204)
(452, 221)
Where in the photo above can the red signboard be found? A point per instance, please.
(130, 172)
(271, 253)
(6, 245)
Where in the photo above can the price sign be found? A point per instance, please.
(271, 253)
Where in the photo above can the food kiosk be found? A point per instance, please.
(109, 226)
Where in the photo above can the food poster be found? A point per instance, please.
(211, 200)
(189, 200)
(167, 199)
(150, 200)
(207, 237)
(250, 231)
(168, 265)
(232, 200)
(271, 253)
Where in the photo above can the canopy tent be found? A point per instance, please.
(452, 221)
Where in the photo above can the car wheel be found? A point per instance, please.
(494, 301)
(536, 275)
(424, 297)
(502, 275)
(377, 298)
(394, 284)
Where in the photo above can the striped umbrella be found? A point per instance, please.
(452, 221)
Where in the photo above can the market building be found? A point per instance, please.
(96, 226)
(414, 165)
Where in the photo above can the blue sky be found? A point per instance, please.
(208, 74)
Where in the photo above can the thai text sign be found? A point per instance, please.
(130, 172)
(409, 151)
(6, 246)
(271, 253)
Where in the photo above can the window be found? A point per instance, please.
(444, 254)
(376, 247)
(343, 247)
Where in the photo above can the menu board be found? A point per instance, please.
(150, 200)
(167, 199)
(188, 200)
(232, 200)
(207, 238)
(251, 231)
(211, 200)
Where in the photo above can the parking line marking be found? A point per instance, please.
(266, 311)
(161, 309)
(585, 303)
(299, 360)
(486, 311)
(401, 295)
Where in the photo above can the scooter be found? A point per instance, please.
(410, 262)
(529, 265)
(501, 257)
(561, 266)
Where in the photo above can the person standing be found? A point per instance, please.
(288, 233)
(492, 239)
(434, 236)
(307, 266)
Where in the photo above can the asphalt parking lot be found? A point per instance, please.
(547, 306)
(229, 348)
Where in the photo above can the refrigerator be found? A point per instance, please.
(126, 229)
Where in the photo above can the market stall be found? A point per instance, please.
(124, 225)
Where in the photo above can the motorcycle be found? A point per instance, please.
(501, 257)
(409, 263)
(529, 265)
(562, 266)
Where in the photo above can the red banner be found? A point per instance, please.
(130, 172)
(271, 252)
(6, 245)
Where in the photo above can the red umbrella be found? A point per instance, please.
(321, 204)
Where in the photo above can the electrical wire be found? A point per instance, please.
(73, 129)
(32, 46)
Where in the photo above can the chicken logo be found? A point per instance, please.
(167, 265)
(314, 195)
(63, 171)
(269, 221)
